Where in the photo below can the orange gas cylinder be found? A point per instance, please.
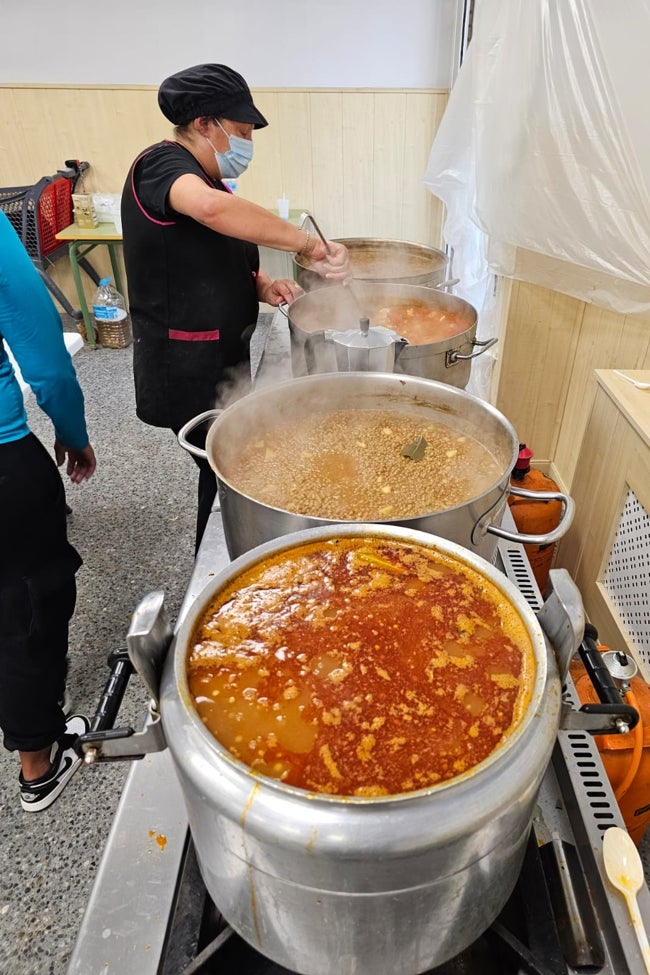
(534, 517)
(626, 757)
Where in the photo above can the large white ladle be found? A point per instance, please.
(625, 870)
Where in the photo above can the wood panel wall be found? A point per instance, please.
(550, 346)
(355, 158)
(614, 458)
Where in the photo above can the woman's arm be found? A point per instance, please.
(235, 217)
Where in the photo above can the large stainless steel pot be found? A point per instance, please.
(377, 259)
(325, 884)
(475, 524)
(312, 316)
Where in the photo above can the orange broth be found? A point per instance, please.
(361, 666)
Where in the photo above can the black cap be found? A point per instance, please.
(208, 89)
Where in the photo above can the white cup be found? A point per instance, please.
(283, 207)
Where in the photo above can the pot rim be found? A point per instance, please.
(427, 248)
(399, 379)
(468, 779)
(380, 285)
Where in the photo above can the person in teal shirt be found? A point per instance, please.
(37, 563)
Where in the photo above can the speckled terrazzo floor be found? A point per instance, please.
(133, 524)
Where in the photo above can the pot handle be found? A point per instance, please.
(568, 511)
(191, 425)
(447, 285)
(148, 641)
(284, 308)
(562, 617)
(452, 357)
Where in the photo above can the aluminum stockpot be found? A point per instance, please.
(339, 307)
(474, 524)
(378, 259)
(324, 884)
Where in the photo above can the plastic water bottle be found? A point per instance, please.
(111, 317)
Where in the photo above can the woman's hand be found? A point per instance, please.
(331, 262)
(275, 292)
(81, 463)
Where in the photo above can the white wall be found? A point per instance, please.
(273, 43)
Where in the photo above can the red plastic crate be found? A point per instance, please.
(54, 213)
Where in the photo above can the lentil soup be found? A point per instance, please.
(361, 666)
(354, 465)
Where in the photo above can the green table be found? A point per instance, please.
(81, 241)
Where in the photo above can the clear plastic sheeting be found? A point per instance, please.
(543, 155)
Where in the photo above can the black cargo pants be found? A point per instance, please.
(37, 595)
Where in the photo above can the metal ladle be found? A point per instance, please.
(625, 870)
(307, 216)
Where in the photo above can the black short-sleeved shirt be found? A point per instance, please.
(192, 292)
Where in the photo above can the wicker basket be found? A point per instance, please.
(114, 335)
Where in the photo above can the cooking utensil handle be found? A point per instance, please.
(191, 425)
(566, 517)
(324, 240)
(639, 928)
(284, 308)
(452, 356)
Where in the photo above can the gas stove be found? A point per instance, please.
(149, 912)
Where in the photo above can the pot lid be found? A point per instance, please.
(366, 336)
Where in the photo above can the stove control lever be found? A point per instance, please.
(562, 618)
(611, 716)
(122, 744)
(599, 719)
(148, 640)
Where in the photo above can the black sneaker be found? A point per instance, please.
(40, 793)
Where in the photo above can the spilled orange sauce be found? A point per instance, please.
(160, 838)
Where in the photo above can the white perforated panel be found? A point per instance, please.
(627, 577)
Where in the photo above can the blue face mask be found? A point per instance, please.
(235, 161)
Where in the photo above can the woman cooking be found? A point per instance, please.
(191, 256)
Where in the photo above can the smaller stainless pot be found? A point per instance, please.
(312, 317)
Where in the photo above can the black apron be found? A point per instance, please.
(192, 296)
